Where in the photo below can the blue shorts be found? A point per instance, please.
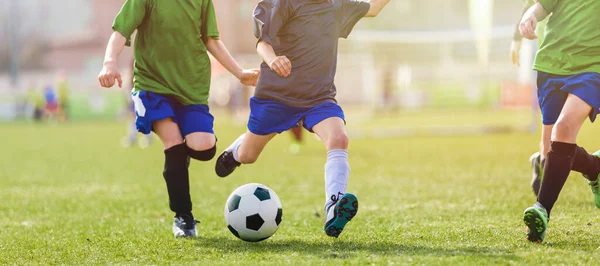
(554, 89)
(150, 107)
(268, 116)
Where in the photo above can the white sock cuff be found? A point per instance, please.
(337, 154)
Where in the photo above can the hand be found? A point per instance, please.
(109, 74)
(281, 65)
(515, 50)
(527, 26)
(249, 77)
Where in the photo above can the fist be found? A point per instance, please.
(249, 77)
(109, 75)
(281, 65)
(527, 26)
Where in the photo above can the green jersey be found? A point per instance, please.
(572, 38)
(169, 50)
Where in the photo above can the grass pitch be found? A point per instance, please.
(70, 194)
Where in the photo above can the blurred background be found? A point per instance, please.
(421, 67)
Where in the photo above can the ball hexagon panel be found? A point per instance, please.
(268, 229)
(246, 189)
(268, 210)
(249, 205)
(254, 222)
(262, 194)
(250, 235)
(236, 219)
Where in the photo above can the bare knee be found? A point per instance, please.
(200, 143)
(171, 142)
(565, 130)
(337, 141)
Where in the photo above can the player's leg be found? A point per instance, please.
(131, 136)
(196, 124)
(586, 87)
(538, 159)
(297, 139)
(267, 119)
(176, 177)
(156, 113)
(559, 162)
(327, 121)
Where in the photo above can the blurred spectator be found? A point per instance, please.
(51, 109)
(35, 102)
(63, 92)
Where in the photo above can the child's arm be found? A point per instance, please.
(280, 64)
(269, 17)
(376, 7)
(515, 45)
(127, 21)
(529, 21)
(220, 52)
(110, 72)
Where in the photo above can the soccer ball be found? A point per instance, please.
(253, 212)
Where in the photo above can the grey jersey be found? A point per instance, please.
(307, 33)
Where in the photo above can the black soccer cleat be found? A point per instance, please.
(184, 226)
(226, 164)
(537, 172)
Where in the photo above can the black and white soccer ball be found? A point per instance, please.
(253, 212)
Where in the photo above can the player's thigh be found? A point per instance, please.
(252, 146)
(332, 132)
(268, 116)
(168, 132)
(571, 118)
(583, 101)
(150, 107)
(196, 124)
(327, 121)
(550, 97)
(154, 112)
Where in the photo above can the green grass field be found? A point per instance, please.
(70, 194)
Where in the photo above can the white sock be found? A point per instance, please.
(337, 171)
(132, 131)
(233, 148)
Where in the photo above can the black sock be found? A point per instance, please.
(556, 171)
(177, 179)
(587, 164)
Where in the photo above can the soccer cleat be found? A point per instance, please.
(184, 226)
(595, 185)
(226, 164)
(340, 213)
(536, 180)
(536, 220)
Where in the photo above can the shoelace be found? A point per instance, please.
(229, 161)
(334, 200)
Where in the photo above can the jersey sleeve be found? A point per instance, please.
(548, 4)
(130, 17)
(210, 27)
(352, 12)
(269, 18)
